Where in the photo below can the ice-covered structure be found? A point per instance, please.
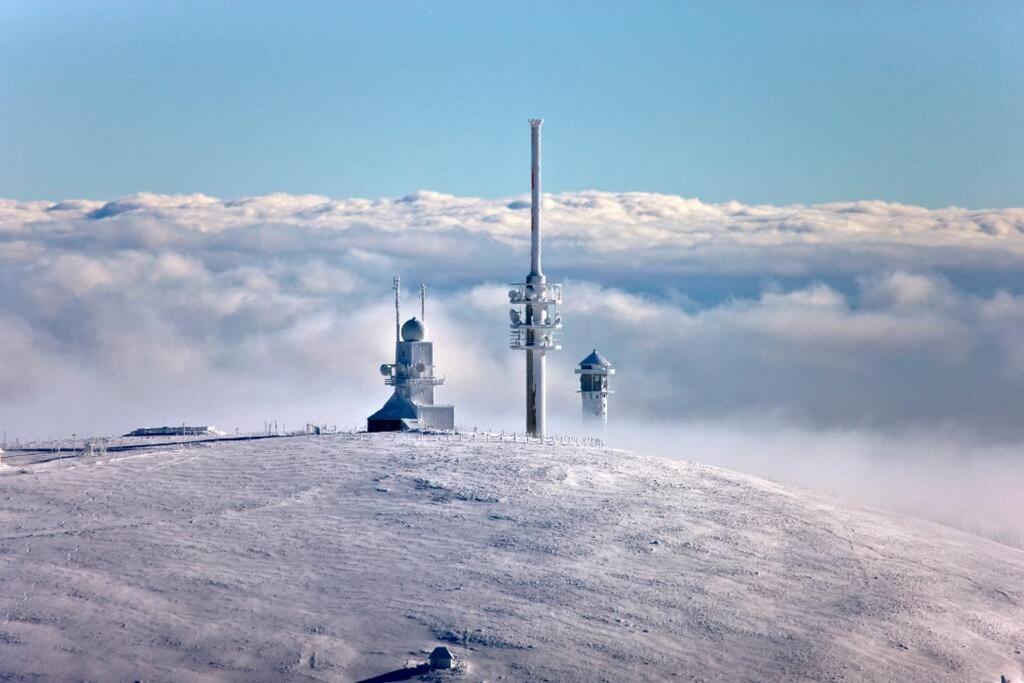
(595, 371)
(536, 321)
(181, 430)
(411, 406)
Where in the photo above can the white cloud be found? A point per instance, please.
(844, 316)
(844, 313)
(79, 274)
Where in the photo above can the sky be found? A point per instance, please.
(782, 102)
(795, 228)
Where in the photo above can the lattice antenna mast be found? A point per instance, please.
(397, 284)
(423, 303)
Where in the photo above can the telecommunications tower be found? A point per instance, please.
(535, 317)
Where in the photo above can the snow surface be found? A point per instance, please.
(339, 558)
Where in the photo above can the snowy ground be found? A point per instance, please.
(330, 558)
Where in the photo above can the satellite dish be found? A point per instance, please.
(420, 367)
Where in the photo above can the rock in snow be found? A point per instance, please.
(335, 558)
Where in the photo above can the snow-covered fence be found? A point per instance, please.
(489, 437)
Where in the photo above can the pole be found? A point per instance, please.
(536, 410)
(397, 284)
(535, 358)
(536, 274)
(423, 303)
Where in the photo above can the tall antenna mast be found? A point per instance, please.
(536, 274)
(397, 284)
(536, 322)
(423, 302)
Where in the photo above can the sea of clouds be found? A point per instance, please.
(870, 349)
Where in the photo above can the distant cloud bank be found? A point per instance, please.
(883, 340)
(833, 315)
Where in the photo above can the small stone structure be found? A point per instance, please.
(441, 658)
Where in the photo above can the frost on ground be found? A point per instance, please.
(332, 558)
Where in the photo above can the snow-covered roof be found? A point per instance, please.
(595, 359)
(396, 408)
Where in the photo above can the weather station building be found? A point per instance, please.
(411, 406)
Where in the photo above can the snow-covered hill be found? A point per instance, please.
(334, 558)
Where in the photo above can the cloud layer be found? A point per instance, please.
(838, 314)
(159, 309)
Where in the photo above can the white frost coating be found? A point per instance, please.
(324, 559)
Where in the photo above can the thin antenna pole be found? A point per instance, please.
(423, 303)
(397, 283)
(536, 274)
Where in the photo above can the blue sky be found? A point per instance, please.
(762, 102)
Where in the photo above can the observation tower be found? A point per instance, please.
(595, 370)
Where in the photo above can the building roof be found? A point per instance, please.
(595, 359)
(396, 408)
(441, 652)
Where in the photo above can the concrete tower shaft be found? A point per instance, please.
(536, 393)
(536, 273)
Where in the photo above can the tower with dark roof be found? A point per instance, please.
(595, 371)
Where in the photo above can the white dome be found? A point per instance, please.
(413, 330)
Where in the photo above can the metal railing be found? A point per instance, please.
(547, 294)
(402, 380)
(519, 339)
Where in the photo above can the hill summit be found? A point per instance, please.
(349, 557)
